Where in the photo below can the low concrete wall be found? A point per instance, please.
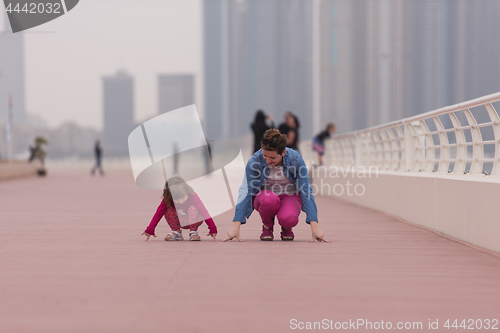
(465, 207)
(18, 169)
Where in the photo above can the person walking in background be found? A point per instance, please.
(182, 208)
(259, 127)
(318, 143)
(98, 158)
(291, 128)
(208, 158)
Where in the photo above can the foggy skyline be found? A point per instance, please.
(66, 58)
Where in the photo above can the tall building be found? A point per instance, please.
(451, 52)
(427, 34)
(378, 60)
(175, 91)
(362, 62)
(382, 60)
(340, 55)
(474, 49)
(12, 73)
(258, 55)
(278, 72)
(118, 106)
(436, 54)
(223, 65)
(385, 61)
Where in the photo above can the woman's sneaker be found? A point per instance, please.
(267, 234)
(287, 234)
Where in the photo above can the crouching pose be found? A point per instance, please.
(183, 209)
(277, 186)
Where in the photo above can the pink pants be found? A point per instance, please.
(285, 206)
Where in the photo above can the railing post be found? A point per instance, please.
(409, 148)
(402, 149)
(476, 166)
(357, 150)
(495, 122)
(461, 151)
(444, 151)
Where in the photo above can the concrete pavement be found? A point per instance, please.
(18, 169)
(73, 259)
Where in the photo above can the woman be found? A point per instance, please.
(259, 126)
(98, 158)
(291, 128)
(276, 185)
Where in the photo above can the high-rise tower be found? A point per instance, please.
(118, 104)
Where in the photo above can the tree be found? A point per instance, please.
(38, 152)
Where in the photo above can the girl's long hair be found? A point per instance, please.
(175, 188)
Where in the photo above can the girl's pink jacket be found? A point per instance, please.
(192, 200)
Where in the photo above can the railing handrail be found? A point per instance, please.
(410, 145)
(495, 97)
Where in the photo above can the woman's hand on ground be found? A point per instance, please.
(147, 235)
(234, 232)
(317, 235)
(213, 235)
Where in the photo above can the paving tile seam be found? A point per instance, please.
(163, 291)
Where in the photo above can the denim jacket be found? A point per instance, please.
(256, 173)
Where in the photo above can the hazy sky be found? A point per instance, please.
(67, 57)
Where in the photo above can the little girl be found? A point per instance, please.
(318, 142)
(182, 208)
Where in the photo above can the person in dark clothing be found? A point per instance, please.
(98, 158)
(318, 143)
(208, 158)
(259, 126)
(291, 128)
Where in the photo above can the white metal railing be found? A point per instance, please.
(446, 140)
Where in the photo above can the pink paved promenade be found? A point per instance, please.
(72, 260)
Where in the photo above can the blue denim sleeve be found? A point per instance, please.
(251, 179)
(305, 188)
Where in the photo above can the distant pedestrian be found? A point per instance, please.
(291, 128)
(318, 143)
(98, 158)
(259, 127)
(208, 158)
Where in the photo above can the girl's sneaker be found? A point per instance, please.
(267, 234)
(193, 235)
(174, 236)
